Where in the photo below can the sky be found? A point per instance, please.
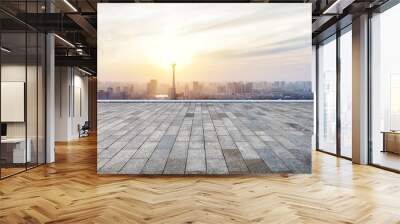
(207, 42)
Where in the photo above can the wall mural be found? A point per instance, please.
(212, 89)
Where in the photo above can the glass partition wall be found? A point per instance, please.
(327, 95)
(385, 89)
(334, 106)
(22, 87)
(345, 62)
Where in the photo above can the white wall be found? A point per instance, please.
(71, 102)
(62, 82)
(16, 73)
(80, 108)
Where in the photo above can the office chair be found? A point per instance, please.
(84, 130)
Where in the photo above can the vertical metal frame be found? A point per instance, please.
(369, 96)
(44, 72)
(72, 96)
(0, 95)
(317, 97)
(37, 91)
(338, 91)
(26, 86)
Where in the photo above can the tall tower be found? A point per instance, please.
(173, 90)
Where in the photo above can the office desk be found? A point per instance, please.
(13, 150)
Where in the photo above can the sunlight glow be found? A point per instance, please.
(164, 53)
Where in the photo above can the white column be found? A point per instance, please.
(360, 90)
(50, 99)
(50, 92)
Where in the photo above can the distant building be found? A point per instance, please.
(152, 88)
(197, 89)
(102, 95)
(186, 93)
(127, 92)
(110, 92)
(248, 87)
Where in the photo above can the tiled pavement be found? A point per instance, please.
(204, 138)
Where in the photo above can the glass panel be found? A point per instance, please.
(13, 86)
(41, 98)
(31, 88)
(346, 93)
(31, 98)
(327, 96)
(386, 89)
(314, 85)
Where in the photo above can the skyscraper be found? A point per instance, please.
(152, 88)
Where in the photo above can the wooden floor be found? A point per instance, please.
(70, 191)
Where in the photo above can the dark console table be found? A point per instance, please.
(391, 141)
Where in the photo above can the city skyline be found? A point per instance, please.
(207, 90)
(229, 46)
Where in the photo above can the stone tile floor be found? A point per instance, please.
(204, 138)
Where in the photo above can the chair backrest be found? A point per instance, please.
(86, 125)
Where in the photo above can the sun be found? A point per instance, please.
(165, 52)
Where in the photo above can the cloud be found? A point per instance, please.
(284, 46)
(251, 18)
(287, 46)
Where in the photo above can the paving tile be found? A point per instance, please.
(257, 166)
(175, 166)
(196, 145)
(226, 142)
(274, 163)
(179, 150)
(106, 154)
(214, 154)
(266, 138)
(221, 130)
(136, 142)
(196, 162)
(216, 166)
(156, 135)
(166, 142)
(154, 166)
(145, 151)
(197, 130)
(247, 151)
(235, 162)
(133, 166)
(212, 145)
(183, 138)
(210, 136)
(196, 138)
(172, 130)
(115, 164)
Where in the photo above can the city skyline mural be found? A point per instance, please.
(204, 89)
(246, 51)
